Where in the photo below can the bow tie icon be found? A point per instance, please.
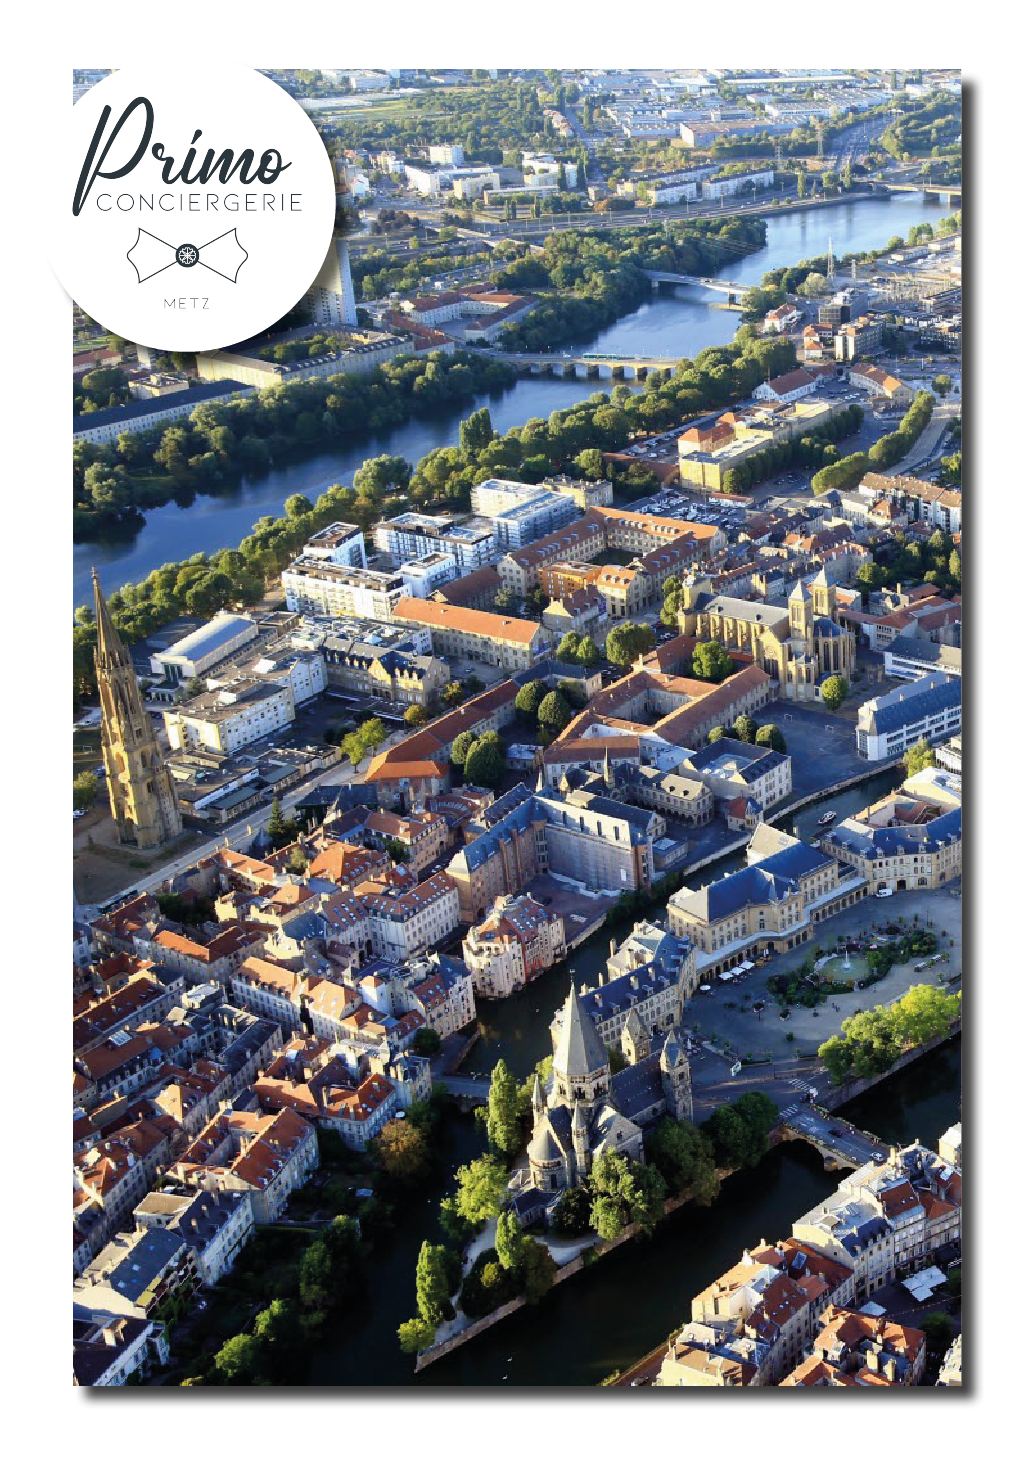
(150, 255)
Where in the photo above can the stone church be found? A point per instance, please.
(588, 1111)
(799, 643)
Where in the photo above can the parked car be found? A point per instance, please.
(883, 893)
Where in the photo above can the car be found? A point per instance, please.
(78, 812)
(883, 893)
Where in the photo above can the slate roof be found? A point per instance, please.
(920, 699)
(773, 879)
(886, 842)
(638, 1087)
(579, 1050)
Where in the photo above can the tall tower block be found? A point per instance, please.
(332, 296)
(142, 801)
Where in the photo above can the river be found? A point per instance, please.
(681, 323)
(607, 1318)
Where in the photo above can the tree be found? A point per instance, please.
(554, 713)
(238, 1360)
(685, 1157)
(538, 1270)
(461, 746)
(834, 691)
(415, 716)
(938, 1330)
(433, 1290)
(404, 1154)
(278, 830)
(715, 734)
(528, 701)
(744, 728)
(608, 1217)
(503, 1111)
(316, 1277)
(568, 647)
(711, 661)
(588, 654)
(627, 642)
(943, 384)
(482, 1186)
(485, 763)
(85, 787)
(508, 1240)
(426, 1042)
(415, 1335)
(770, 735)
(572, 1216)
(476, 432)
(919, 756)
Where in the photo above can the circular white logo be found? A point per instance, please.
(194, 207)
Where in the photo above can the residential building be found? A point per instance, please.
(215, 1226)
(267, 1157)
(424, 576)
(423, 835)
(317, 586)
(854, 1349)
(924, 502)
(517, 941)
(792, 386)
(404, 921)
(340, 543)
(134, 1275)
(272, 991)
(473, 634)
(103, 427)
(734, 768)
(109, 1351)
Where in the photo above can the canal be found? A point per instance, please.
(681, 323)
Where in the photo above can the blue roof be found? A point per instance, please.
(892, 712)
(770, 881)
(131, 410)
(885, 842)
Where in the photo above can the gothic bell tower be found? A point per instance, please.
(142, 801)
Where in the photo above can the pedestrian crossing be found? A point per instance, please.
(791, 1111)
(799, 1085)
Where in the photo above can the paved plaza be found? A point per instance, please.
(725, 1017)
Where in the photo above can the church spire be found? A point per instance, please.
(110, 648)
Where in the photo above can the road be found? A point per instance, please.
(241, 831)
(841, 1138)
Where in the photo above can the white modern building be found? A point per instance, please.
(929, 707)
(204, 648)
(314, 586)
(338, 543)
(422, 576)
(332, 296)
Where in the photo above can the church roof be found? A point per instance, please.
(543, 1147)
(580, 1050)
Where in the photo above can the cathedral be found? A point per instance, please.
(142, 801)
(588, 1111)
(799, 643)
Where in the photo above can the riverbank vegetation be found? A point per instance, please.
(223, 440)
(598, 278)
(872, 1041)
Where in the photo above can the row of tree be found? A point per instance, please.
(815, 448)
(872, 1041)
